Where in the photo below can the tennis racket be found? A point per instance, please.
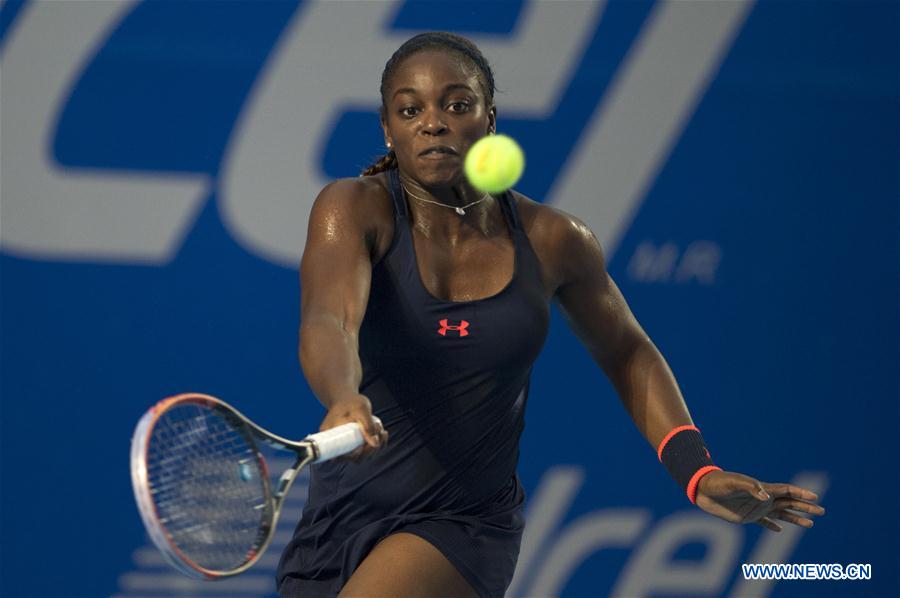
(202, 484)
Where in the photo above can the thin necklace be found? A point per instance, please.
(461, 210)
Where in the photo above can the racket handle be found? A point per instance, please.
(336, 441)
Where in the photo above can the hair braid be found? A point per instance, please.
(384, 163)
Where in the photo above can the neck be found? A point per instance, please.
(457, 195)
(437, 211)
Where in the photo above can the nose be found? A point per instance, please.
(433, 123)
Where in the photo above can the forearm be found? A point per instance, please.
(649, 392)
(329, 357)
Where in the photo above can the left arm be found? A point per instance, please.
(600, 317)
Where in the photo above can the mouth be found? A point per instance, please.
(438, 151)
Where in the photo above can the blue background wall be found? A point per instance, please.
(760, 253)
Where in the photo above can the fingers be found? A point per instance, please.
(751, 486)
(759, 492)
(375, 433)
(371, 429)
(798, 505)
(358, 409)
(769, 524)
(781, 506)
(789, 490)
(790, 504)
(792, 518)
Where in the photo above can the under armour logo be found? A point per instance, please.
(461, 328)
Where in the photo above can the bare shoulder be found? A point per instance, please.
(552, 224)
(565, 245)
(354, 206)
(357, 198)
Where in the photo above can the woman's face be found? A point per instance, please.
(435, 110)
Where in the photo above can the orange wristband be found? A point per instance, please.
(684, 454)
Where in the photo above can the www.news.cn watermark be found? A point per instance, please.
(833, 571)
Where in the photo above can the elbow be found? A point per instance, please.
(304, 353)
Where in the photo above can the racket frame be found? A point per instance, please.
(306, 451)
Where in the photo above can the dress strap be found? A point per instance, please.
(508, 205)
(397, 193)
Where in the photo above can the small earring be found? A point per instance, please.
(388, 144)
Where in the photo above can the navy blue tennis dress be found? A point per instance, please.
(449, 380)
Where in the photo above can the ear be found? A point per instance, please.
(492, 120)
(384, 129)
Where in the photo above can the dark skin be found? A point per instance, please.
(437, 99)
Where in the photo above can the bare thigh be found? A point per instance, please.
(405, 565)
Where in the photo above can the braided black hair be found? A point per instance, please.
(432, 40)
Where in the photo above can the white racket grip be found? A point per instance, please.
(337, 441)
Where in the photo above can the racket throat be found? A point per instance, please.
(287, 478)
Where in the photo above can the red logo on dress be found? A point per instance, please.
(461, 328)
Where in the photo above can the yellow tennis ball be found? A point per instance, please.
(495, 163)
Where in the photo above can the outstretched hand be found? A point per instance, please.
(738, 498)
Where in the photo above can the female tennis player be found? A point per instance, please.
(431, 318)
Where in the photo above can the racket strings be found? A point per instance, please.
(209, 486)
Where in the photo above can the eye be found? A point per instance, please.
(408, 111)
(459, 107)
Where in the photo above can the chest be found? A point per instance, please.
(469, 271)
(478, 308)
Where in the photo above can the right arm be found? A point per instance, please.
(335, 275)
